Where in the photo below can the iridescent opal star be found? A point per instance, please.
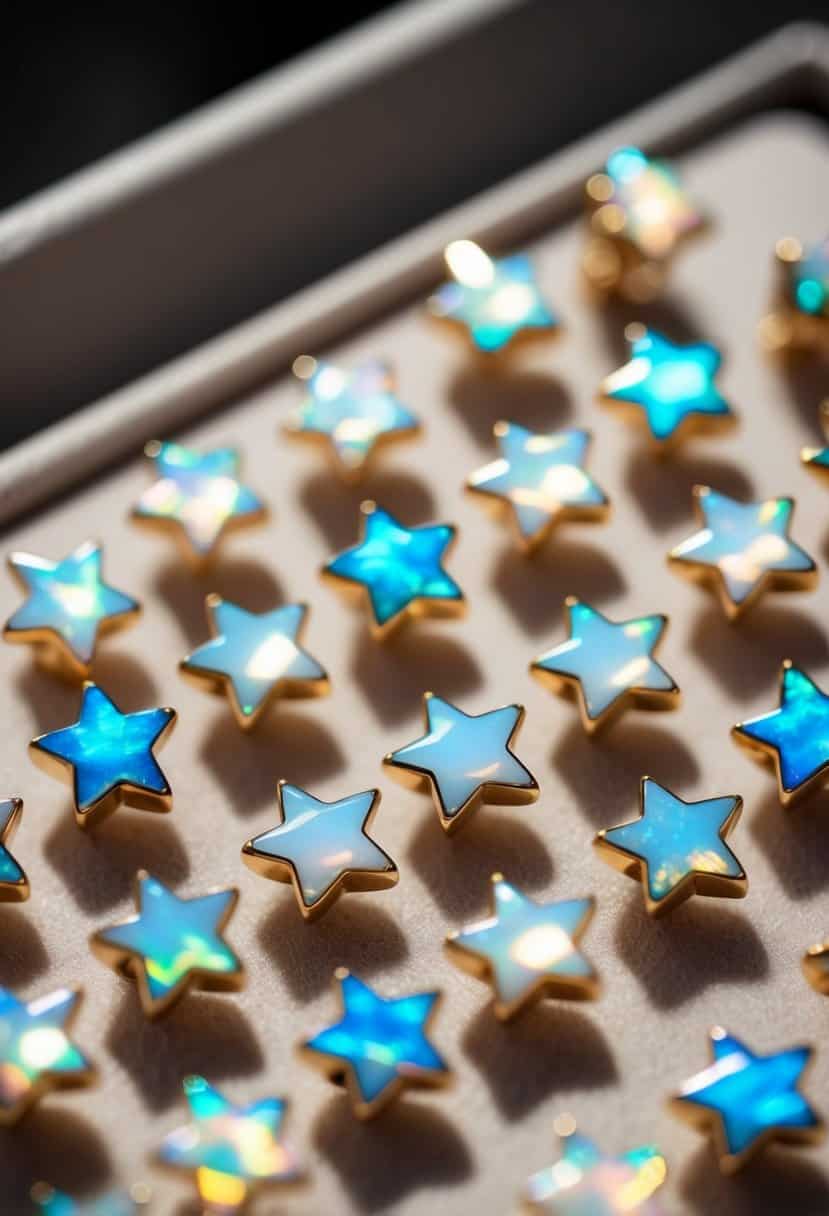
(667, 387)
(747, 1100)
(639, 215)
(254, 657)
(466, 759)
(540, 480)
(351, 412)
(677, 849)
(527, 950)
(67, 607)
(14, 885)
(496, 301)
(111, 1203)
(742, 548)
(801, 316)
(379, 1046)
(108, 757)
(198, 498)
(322, 848)
(232, 1151)
(795, 736)
(609, 665)
(585, 1182)
(399, 570)
(36, 1053)
(171, 944)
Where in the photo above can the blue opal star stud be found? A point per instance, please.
(794, 737)
(14, 885)
(746, 1100)
(800, 316)
(198, 498)
(322, 848)
(677, 849)
(527, 950)
(51, 1202)
(540, 480)
(231, 1151)
(36, 1053)
(399, 570)
(742, 548)
(496, 301)
(378, 1047)
(608, 665)
(639, 214)
(586, 1182)
(352, 413)
(466, 759)
(668, 388)
(67, 607)
(108, 757)
(171, 944)
(254, 657)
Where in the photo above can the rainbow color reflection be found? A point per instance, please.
(36, 1053)
(646, 203)
(585, 1182)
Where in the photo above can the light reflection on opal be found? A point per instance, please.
(36, 1052)
(649, 206)
(493, 299)
(585, 1182)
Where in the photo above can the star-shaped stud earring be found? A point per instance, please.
(108, 757)
(378, 1047)
(51, 1202)
(800, 320)
(36, 1053)
(351, 412)
(586, 1182)
(496, 301)
(608, 665)
(171, 944)
(816, 966)
(67, 607)
(742, 548)
(794, 737)
(817, 459)
(527, 950)
(254, 657)
(198, 498)
(14, 885)
(540, 480)
(746, 1100)
(466, 759)
(322, 848)
(399, 570)
(677, 849)
(639, 214)
(232, 1151)
(669, 388)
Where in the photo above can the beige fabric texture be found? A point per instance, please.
(611, 1063)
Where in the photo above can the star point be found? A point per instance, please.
(14, 885)
(36, 1053)
(586, 1181)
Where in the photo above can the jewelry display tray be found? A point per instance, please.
(751, 142)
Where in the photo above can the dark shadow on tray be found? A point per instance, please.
(411, 1146)
(23, 955)
(535, 586)
(335, 507)
(53, 1144)
(795, 841)
(603, 772)
(456, 870)
(697, 944)
(203, 1034)
(483, 396)
(669, 316)
(393, 675)
(99, 864)
(242, 580)
(361, 936)
(55, 703)
(248, 764)
(804, 376)
(780, 1179)
(662, 485)
(745, 657)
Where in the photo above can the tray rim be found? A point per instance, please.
(223, 369)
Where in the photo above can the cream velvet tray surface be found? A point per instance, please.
(611, 1063)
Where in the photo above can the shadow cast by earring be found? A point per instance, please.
(795, 842)
(670, 317)
(779, 1180)
(805, 375)
(662, 488)
(56, 1145)
(546, 1049)
(56, 703)
(746, 658)
(356, 933)
(393, 675)
(534, 587)
(23, 955)
(485, 396)
(335, 508)
(243, 581)
(379, 1163)
(203, 1034)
